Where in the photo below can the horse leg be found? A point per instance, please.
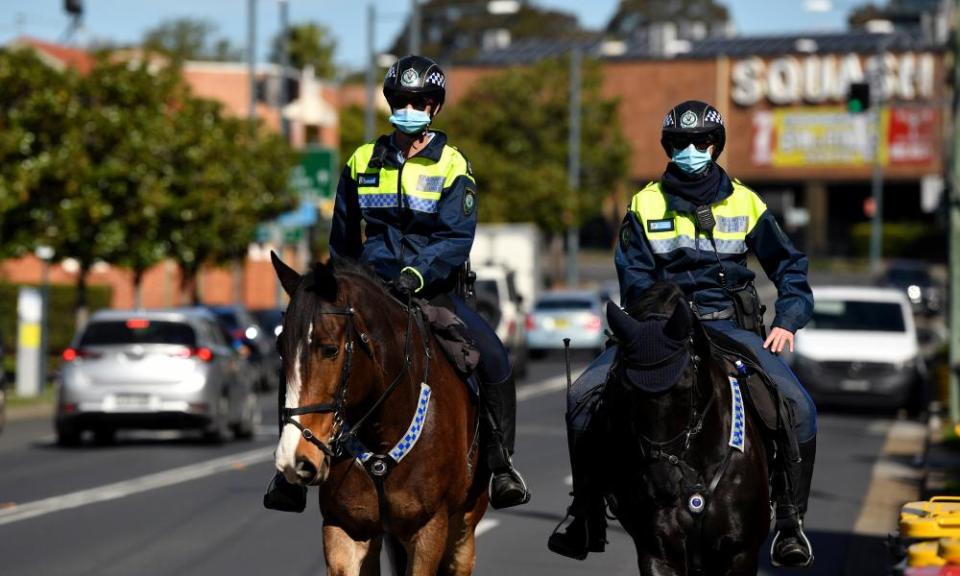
(743, 564)
(371, 562)
(343, 554)
(426, 549)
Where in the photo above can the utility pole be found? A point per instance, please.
(573, 168)
(954, 207)
(252, 57)
(876, 101)
(415, 27)
(284, 64)
(369, 117)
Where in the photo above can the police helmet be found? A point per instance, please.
(414, 76)
(693, 122)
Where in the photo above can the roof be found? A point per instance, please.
(57, 55)
(531, 50)
(169, 314)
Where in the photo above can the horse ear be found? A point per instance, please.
(621, 324)
(679, 325)
(289, 278)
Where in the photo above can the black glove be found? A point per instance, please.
(408, 282)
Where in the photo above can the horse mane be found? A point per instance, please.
(661, 298)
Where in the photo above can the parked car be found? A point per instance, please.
(571, 314)
(913, 279)
(270, 319)
(246, 331)
(502, 306)
(860, 348)
(154, 370)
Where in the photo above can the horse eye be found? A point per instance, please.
(329, 351)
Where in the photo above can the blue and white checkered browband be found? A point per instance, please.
(409, 439)
(738, 437)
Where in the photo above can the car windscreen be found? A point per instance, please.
(269, 318)
(564, 304)
(228, 317)
(857, 315)
(138, 331)
(904, 277)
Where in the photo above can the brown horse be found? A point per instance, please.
(378, 419)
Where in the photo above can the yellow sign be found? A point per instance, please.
(29, 336)
(799, 137)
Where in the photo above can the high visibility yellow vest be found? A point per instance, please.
(667, 230)
(419, 180)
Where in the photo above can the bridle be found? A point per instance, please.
(343, 433)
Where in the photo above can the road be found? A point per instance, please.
(162, 504)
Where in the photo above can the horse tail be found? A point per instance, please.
(396, 553)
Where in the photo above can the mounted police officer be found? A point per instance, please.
(418, 198)
(695, 227)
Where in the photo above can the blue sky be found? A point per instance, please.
(125, 20)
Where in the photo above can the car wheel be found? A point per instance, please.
(218, 431)
(68, 436)
(104, 435)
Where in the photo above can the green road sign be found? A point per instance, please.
(313, 178)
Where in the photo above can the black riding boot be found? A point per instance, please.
(791, 547)
(507, 487)
(282, 495)
(584, 529)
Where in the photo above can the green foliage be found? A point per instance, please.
(188, 39)
(901, 239)
(309, 44)
(514, 128)
(124, 165)
(633, 15)
(353, 126)
(63, 300)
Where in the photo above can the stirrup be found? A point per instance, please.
(793, 558)
(518, 494)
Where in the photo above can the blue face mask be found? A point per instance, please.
(691, 160)
(409, 120)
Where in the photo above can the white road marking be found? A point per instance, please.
(486, 525)
(183, 474)
(542, 388)
(134, 486)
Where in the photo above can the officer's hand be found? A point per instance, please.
(408, 283)
(777, 339)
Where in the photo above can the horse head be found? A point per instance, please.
(327, 362)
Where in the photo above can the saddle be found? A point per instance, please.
(452, 337)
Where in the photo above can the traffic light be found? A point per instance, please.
(858, 97)
(74, 7)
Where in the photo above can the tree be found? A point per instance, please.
(188, 39)
(634, 16)
(514, 129)
(458, 29)
(353, 127)
(309, 44)
(860, 15)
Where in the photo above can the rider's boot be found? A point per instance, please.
(282, 495)
(507, 487)
(584, 529)
(791, 547)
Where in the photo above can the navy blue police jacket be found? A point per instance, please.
(420, 212)
(660, 239)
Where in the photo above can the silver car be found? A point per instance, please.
(154, 370)
(576, 315)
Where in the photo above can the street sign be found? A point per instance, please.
(314, 178)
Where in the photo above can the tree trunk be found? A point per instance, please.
(138, 288)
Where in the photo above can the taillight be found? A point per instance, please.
(530, 323)
(594, 324)
(511, 328)
(202, 354)
(71, 354)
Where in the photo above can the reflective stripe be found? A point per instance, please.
(377, 200)
(723, 246)
(421, 204)
(732, 223)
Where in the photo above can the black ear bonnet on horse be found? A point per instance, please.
(653, 352)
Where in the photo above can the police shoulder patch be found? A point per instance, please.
(665, 225)
(625, 236)
(469, 201)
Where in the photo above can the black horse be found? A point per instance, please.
(688, 476)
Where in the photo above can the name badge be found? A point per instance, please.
(665, 225)
(368, 180)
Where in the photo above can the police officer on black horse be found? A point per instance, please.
(695, 227)
(418, 198)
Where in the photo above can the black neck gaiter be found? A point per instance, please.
(698, 189)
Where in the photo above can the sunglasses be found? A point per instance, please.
(701, 143)
(418, 102)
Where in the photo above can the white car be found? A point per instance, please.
(502, 306)
(860, 348)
